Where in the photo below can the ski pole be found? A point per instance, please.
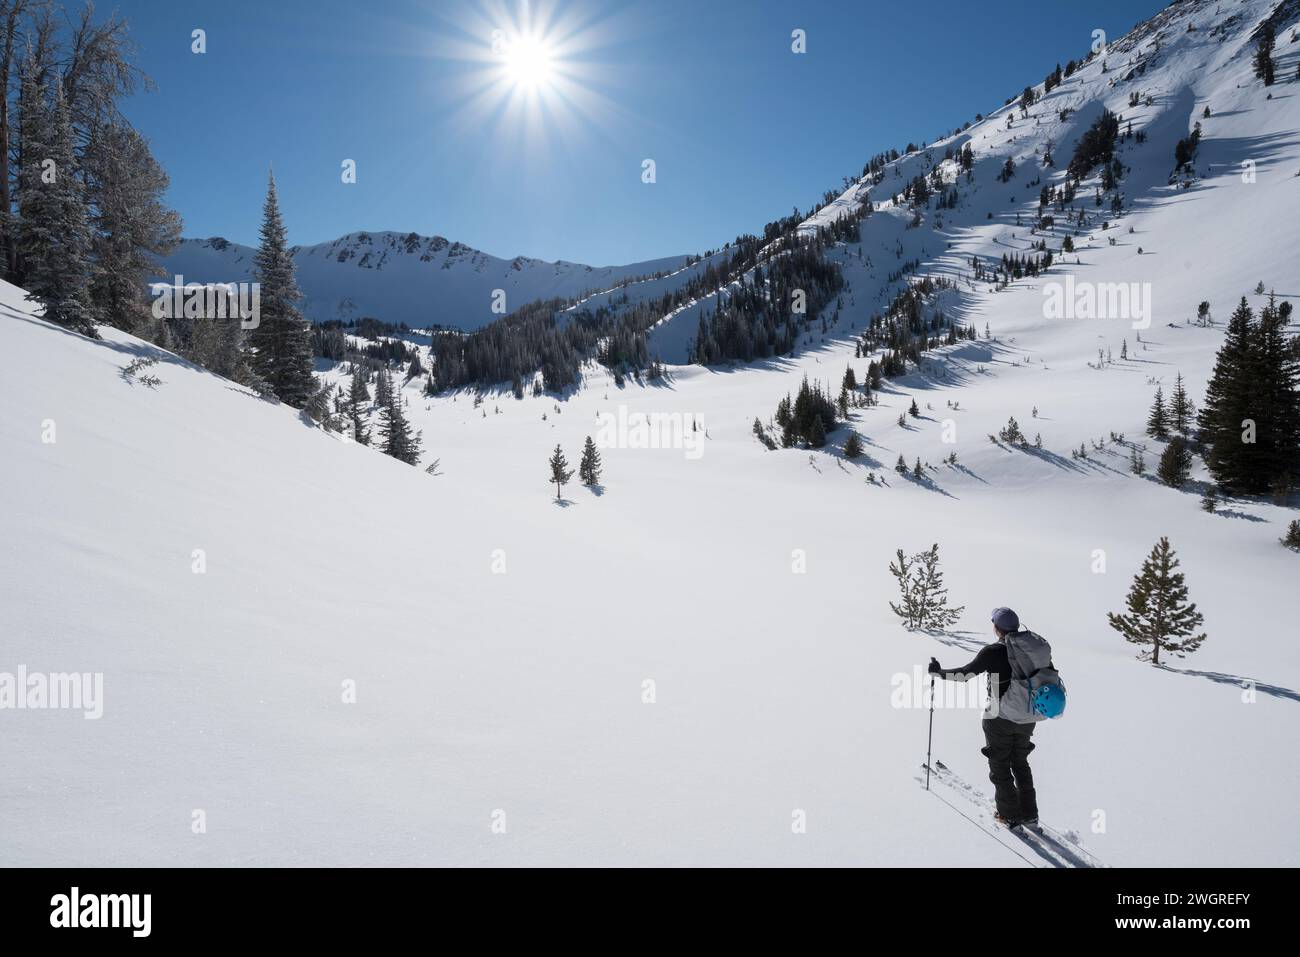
(930, 738)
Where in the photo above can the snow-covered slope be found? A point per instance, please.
(501, 642)
(405, 277)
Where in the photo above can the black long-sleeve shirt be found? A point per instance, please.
(992, 660)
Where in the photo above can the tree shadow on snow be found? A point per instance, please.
(962, 640)
(926, 482)
(1219, 677)
(967, 472)
(1234, 513)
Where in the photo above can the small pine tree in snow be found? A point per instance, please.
(923, 599)
(1180, 408)
(1159, 615)
(395, 431)
(1158, 420)
(1175, 463)
(589, 467)
(1292, 537)
(901, 465)
(358, 399)
(1210, 500)
(918, 473)
(853, 446)
(913, 411)
(1136, 463)
(560, 471)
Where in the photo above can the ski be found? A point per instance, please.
(1048, 843)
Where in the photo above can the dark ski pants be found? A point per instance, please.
(1007, 747)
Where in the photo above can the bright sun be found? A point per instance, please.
(528, 63)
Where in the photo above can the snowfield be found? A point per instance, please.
(685, 666)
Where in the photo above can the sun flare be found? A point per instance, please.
(534, 69)
(529, 63)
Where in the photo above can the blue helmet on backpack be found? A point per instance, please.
(1049, 700)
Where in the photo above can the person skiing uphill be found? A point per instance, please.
(1008, 722)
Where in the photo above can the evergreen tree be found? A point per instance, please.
(1264, 65)
(317, 406)
(1228, 404)
(1250, 420)
(1276, 379)
(395, 431)
(589, 467)
(132, 228)
(54, 235)
(358, 399)
(1180, 408)
(1158, 420)
(358, 390)
(282, 353)
(560, 471)
(809, 417)
(923, 598)
(908, 607)
(901, 465)
(913, 410)
(1292, 537)
(1011, 433)
(1175, 463)
(1159, 615)
(853, 445)
(918, 473)
(383, 388)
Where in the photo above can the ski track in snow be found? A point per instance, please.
(1056, 848)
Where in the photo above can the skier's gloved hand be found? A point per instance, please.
(935, 668)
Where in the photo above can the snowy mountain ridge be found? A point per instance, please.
(405, 277)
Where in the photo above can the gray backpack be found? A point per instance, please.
(1036, 692)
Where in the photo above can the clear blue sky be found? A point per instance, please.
(741, 129)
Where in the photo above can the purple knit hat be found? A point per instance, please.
(1004, 619)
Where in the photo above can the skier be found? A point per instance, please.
(1007, 742)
